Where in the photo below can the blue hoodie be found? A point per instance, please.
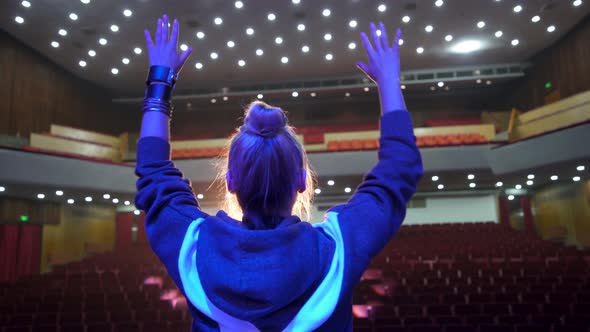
(295, 277)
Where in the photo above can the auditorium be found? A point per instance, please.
(295, 165)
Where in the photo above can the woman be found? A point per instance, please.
(271, 271)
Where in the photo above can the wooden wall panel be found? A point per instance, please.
(36, 92)
(566, 64)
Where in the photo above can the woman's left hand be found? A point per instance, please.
(164, 52)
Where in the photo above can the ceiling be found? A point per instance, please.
(44, 18)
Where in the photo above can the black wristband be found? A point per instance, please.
(161, 74)
(159, 91)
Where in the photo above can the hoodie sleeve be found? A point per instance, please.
(377, 209)
(167, 199)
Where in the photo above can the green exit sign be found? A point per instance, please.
(548, 85)
(24, 218)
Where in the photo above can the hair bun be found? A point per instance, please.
(264, 120)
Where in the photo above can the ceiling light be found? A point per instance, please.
(125, 61)
(347, 94)
(472, 185)
(518, 186)
(260, 96)
(326, 12)
(378, 32)
(127, 203)
(551, 28)
(441, 186)
(200, 34)
(329, 57)
(439, 3)
(88, 199)
(230, 43)
(301, 27)
(82, 63)
(470, 177)
(420, 50)
(305, 49)
(249, 31)
(466, 46)
(106, 196)
(239, 4)
(40, 196)
(530, 176)
(498, 34)
(295, 94)
(514, 42)
(331, 182)
(406, 19)
(481, 24)
(284, 59)
(199, 65)
(59, 193)
(2, 189)
(488, 82)
(200, 196)
(478, 81)
(435, 178)
(351, 45)
(213, 101)
(26, 4)
(241, 63)
(259, 52)
(517, 9)
(381, 7)
(19, 20)
(55, 44)
(127, 12)
(510, 197)
(114, 28)
(137, 50)
(213, 55)
(499, 184)
(577, 3)
(449, 38)
(63, 32)
(327, 37)
(279, 40)
(73, 16)
(580, 168)
(400, 42)
(554, 177)
(403, 86)
(536, 18)
(295, 2)
(115, 200)
(71, 201)
(432, 88)
(183, 47)
(576, 178)
(218, 20)
(271, 17)
(114, 71)
(440, 84)
(366, 89)
(347, 190)
(352, 24)
(102, 41)
(317, 191)
(136, 212)
(428, 28)
(313, 94)
(85, 1)
(529, 183)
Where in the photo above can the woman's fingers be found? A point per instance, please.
(398, 36)
(383, 37)
(158, 34)
(174, 36)
(376, 40)
(148, 39)
(367, 44)
(183, 57)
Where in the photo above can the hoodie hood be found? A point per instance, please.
(261, 276)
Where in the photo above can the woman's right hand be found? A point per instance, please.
(383, 66)
(164, 52)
